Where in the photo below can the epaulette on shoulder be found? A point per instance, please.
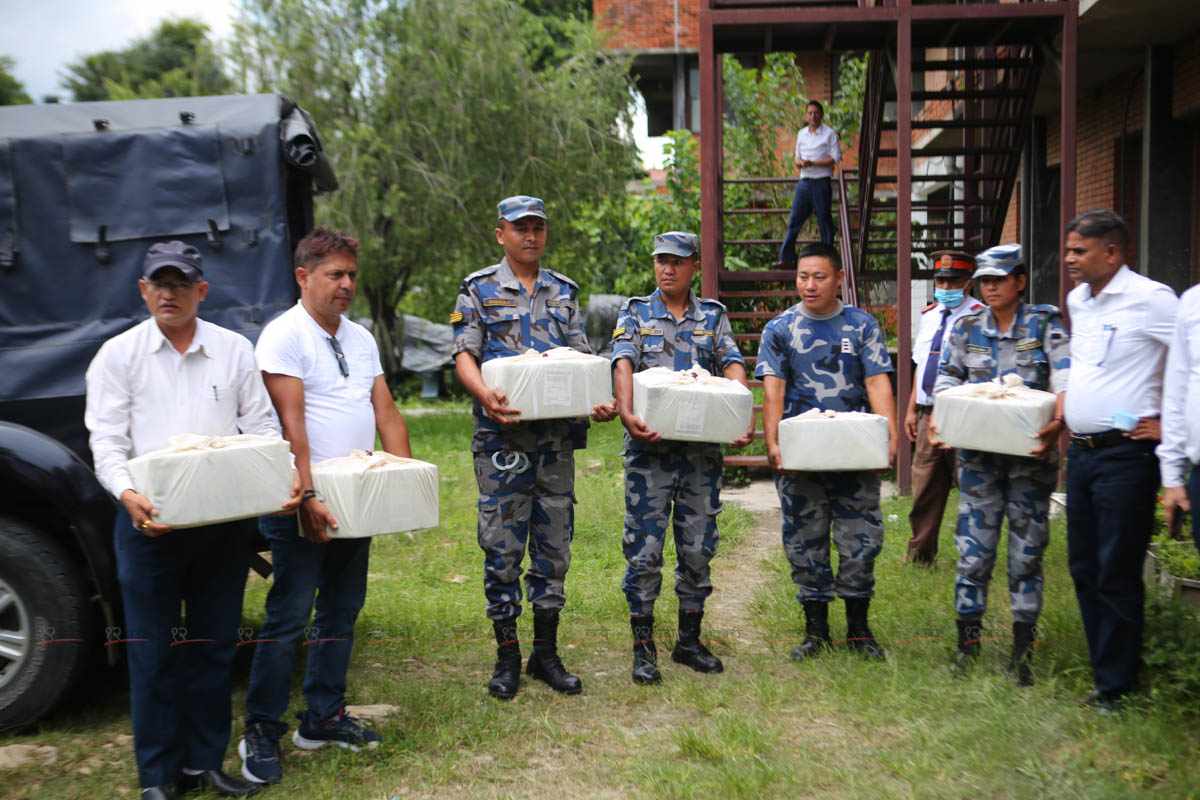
(562, 278)
(1044, 308)
(708, 301)
(976, 311)
(482, 273)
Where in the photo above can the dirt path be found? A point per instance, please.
(737, 579)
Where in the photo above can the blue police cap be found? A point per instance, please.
(521, 205)
(676, 243)
(1000, 261)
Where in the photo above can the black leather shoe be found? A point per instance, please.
(859, 638)
(816, 631)
(645, 654)
(506, 676)
(217, 781)
(159, 793)
(544, 664)
(1021, 663)
(688, 649)
(970, 632)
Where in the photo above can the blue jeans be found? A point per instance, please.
(1194, 497)
(180, 667)
(1111, 497)
(335, 575)
(812, 195)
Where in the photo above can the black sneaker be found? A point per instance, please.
(340, 729)
(259, 751)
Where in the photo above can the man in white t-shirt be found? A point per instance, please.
(324, 376)
(817, 151)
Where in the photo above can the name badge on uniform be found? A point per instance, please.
(651, 331)
(847, 347)
(557, 302)
(978, 348)
(701, 332)
(492, 302)
(1028, 344)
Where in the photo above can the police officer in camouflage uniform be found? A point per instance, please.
(825, 355)
(525, 470)
(1008, 336)
(671, 328)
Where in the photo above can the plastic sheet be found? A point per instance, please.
(692, 405)
(375, 493)
(997, 417)
(206, 480)
(833, 441)
(557, 384)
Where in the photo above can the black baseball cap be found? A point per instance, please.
(182, 257)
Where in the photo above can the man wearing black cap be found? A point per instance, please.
(933, 469)
(172, 374)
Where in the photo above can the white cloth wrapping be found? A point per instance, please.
(1002, 416)
(206, 480)
(373, 493)
(692, 405)
(558, 383)
(833, 441)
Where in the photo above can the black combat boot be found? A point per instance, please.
(858, 634)
(544, 663)
(645, 655)
(970, 631)
(688, 649)
(1021, 664)
(506, 677)
(816, 631)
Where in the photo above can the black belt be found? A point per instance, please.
(1102, 439)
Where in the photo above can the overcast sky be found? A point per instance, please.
(42, 36)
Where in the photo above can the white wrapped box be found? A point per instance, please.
(555, 384)
(692, 405)
(206, 480)
(997, 417)
(832, 441)
(375, 493)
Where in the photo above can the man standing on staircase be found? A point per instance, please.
(817, 151)
(821, 354)
(671, 328)
(933, 468)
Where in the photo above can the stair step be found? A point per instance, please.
(750, 242)
(748, 275)
(975, 176)
(952, 64)
(751, 314)
(737, 211)
(753, 295)
(965, 94)
(747, 337)
(942, 152)
(938, 226)
(956, 124)
(750, 462)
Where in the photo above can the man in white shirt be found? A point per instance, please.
(1122, 324)
(325, 378)
(1179, 453)
(816, 152)
(933, 468)
(174, 374)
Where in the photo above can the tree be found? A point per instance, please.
(177, 60)
(12, 93)
(434, 110)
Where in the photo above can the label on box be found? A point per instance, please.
(556, 388)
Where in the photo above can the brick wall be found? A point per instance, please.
(648, 24)
(1012, 218)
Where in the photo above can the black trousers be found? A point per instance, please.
(1111, 495)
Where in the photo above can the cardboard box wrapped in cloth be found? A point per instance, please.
(1002, 416)
(374, 493)
(692, 405)
(556, 384)
(834, 441)
(206, 480)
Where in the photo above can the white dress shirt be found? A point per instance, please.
(814, 146)
(338, 415)
(141, 391)
(1181, 395)
(1119, 341)
(931, 320)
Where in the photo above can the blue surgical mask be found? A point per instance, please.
(950, 298)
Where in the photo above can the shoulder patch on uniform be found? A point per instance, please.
(978, 348)
(490, 302)
(1028, 344)
(456, 317)
(479, 273)
(562, 277)
(650, 331)
(618, 332)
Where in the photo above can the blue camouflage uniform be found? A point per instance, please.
(993, 485)
(525, 471)
(825, 363)
(659, 475)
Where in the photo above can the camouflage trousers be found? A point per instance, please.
(529, 505)
(991, 487)
(814, 504)
(686, 480)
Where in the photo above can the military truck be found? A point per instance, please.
(84, 189)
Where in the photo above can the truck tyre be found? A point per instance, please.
(44, 623)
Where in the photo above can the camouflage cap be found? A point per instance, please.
(952, 264)
(676, 243)
(1000, 261)
(521, 205)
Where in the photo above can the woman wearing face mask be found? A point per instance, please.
(933, 468)
(1009, 336)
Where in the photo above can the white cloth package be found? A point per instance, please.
(997, 417)
(206, 480)
(832, 441)
(692, 405)
(373, 493)
(555, 384)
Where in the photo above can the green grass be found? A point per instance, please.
(835, 728)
